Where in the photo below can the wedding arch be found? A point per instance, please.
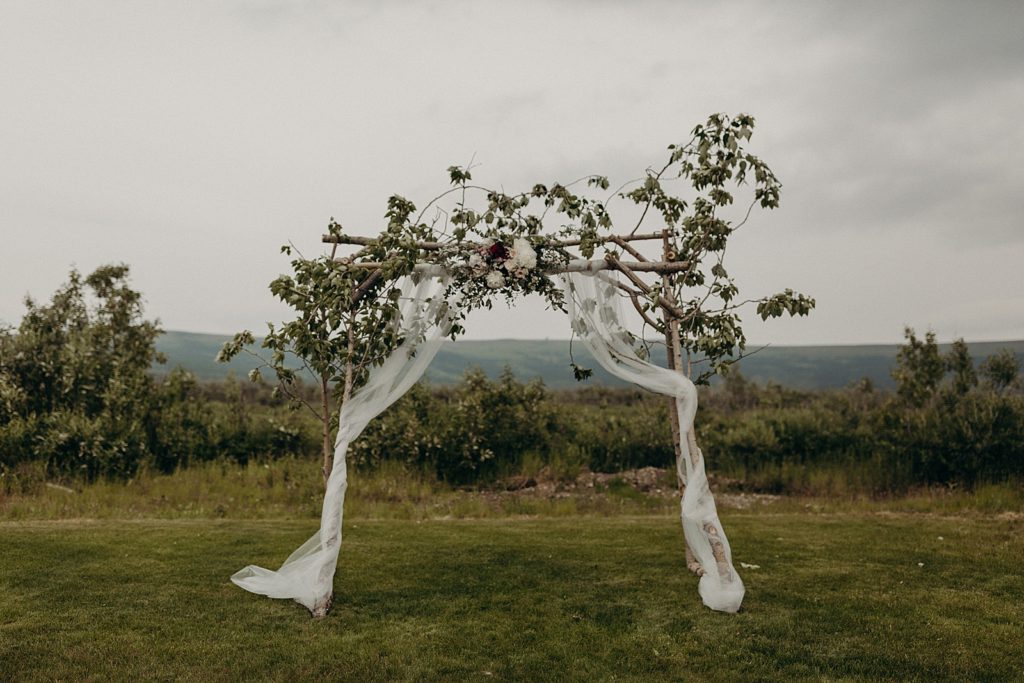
(370, 322)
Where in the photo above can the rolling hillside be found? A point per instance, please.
(801, 367)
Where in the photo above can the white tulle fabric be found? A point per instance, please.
(594, 309)
(307, 576)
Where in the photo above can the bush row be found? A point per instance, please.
(168, 426)
(767, 439)
(878, 441)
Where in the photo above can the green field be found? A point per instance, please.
(838, 596)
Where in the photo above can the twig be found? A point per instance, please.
(639, 309)
(625, 245)
(284, 386)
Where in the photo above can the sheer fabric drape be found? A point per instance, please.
(307, 576)
(595, 314)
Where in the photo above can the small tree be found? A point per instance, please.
(338, 334)
(1001, 369)
(687, 197)
(78, 369)
(919, 368)
(86, 349)
(958, 361)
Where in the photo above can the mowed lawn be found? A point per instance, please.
(853, 596)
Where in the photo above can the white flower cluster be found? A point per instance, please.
(477, 264)
(493, 257)
(522, 258)
(495, 280)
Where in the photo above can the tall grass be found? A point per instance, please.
(292, 488)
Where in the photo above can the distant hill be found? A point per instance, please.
(799, 367)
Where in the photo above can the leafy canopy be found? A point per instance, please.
(89, 350)
(346, 313)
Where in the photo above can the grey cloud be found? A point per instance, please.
(192, 140)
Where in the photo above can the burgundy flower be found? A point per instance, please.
(497, 251)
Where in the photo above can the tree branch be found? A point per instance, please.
(366, 285)
(627, 270)
(625, 246)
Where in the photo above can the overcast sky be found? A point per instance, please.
(191, 140)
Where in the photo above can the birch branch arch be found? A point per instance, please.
(369, 321)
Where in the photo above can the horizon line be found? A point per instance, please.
(750, 345)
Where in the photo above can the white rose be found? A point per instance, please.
(525, 257)
(495, 280)
(477, 265)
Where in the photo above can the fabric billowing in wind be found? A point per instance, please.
(307, 576)
(595, 314)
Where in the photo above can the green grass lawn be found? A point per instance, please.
(840, 596)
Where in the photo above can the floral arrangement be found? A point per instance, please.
(503, 265)
(493, 261)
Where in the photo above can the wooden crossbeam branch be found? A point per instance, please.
(573, 266)
(610, 262)
(370, 241)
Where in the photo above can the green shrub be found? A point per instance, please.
(17, 440)
(76, 445)
(474, 432)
